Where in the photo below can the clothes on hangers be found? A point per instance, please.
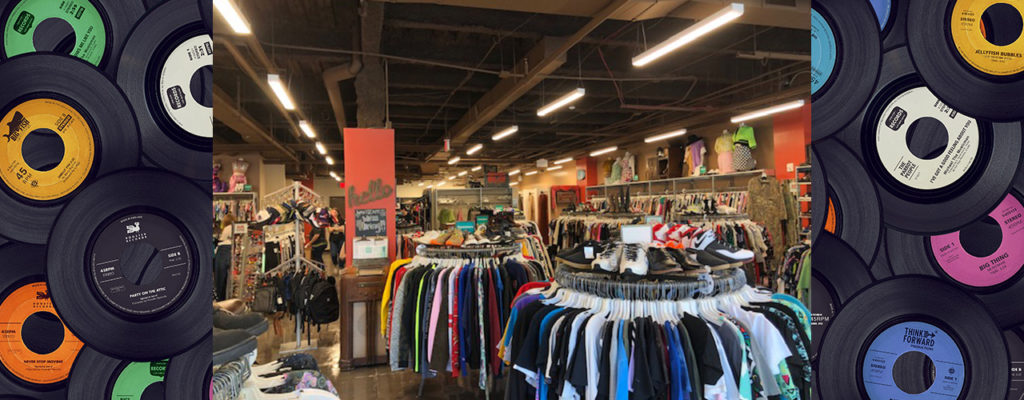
(567, 231)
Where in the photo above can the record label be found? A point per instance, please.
(175, 79)
(141, 263)
(965, 25)
(992, 269)
(823, 51)
(883, 9)
(79, 149)
(894, 128)
(83, 17)
(15, 355)
(823, 309)
(913, 336)
(137, 377)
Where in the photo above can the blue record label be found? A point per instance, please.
(883, 9)
(823, 51)
(907, 337)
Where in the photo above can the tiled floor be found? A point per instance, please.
(377, 382)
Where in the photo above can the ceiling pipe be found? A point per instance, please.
(332, 77)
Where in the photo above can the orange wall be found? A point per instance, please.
(791, 133)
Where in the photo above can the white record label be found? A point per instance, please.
(175, 81)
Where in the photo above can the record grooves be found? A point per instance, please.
(840, 278)
(852, 196)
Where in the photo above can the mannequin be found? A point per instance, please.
(218, 185)
(723, 147)
(238, 169)
(743, 145)
(616, 176)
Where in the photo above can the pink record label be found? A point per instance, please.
(989, 270)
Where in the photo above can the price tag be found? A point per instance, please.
(588, 252)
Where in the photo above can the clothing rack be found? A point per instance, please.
(446, 252)
(600, 285)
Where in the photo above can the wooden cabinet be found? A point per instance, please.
(361, 342)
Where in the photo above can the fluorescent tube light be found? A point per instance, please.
(514, 184)
(690, 34)
(227, 9)
(441, 184)
(463, 173)
(320, 148)
(554, 168)
(474, 149)
(596, 153)
(530, 173)
(452, 178)
(454, 160)
(330, 161)
(278, 87)
(513, 173)
(420, 185)
(505, 133)
(432, 186)
(767, 111)
(561, 102)
(664, 136)
(307, 129)
(563, 161)
(477, 168)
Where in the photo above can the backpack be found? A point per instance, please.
(264, 300)
(324, 306)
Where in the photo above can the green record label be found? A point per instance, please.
(82, 15)
(136, 377)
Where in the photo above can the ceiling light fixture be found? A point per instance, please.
(320, 148)
(477, 168)
(420, 185)
(454, 160)
(463, 173)
(690, 34)
(514, 184)
(505, 133)
(513, 173)
(596, 153)
(474, 149)
(330, 161)
(307, 129)
(561, 102)
(274, 80)
(554, 168)
(432, 186)
(441, 184)
(563, 161)
(530, 173)
(664, 136)
(767, 111)
(227, 9)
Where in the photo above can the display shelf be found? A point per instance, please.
(472, 197)
(677, 184)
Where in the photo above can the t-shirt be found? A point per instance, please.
(318, 236)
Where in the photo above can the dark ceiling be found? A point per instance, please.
(441, 60)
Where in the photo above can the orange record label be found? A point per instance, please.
(19, 360)
(79, 149)
(830, 218)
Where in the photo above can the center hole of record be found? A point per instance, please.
(981, 238)
(201, 86)
(155, 391)
(140, 263)
(54, 34)
(927, 138)
(42, 332)
(1001, 24)
(914, 372)
(43, 149)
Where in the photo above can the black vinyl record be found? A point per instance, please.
(68, 27)
(852, 196)
(189, 374)
(131, 277)
(936, 169)
(894, 30)
(846, 50)
(913, 335)
(24, 371)
(819, 197)
(837, 275)
(960, 63)
(98, 377)
(95, 123)
(166, 72)
(206, 10)
(1015, 349)
(985, 258)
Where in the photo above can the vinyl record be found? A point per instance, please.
(845, 53)
(913, 337)
(64, 96)
(92, 30)
(936, 169)
(853, 196)
(1015, 349)
(36, 349)
(99, 377)
(838, 274)
(985, 258)
(819, 197)
(131, 277)
(189, 374)
(167, 73)
(971, 54)
(206, 10)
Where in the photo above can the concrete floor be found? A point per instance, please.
(376, 382)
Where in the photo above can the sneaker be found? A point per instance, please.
(428, 238)
(634, 260)
(699, 259)
(470, 240)
(230, 345)
(661, 262)
(441, 239)
(661, 233)
(608, 260)
(252, 323)
(577, 257)
(456, 238)
(710, 243)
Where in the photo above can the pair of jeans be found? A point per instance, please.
(336, 254)
(222, 271)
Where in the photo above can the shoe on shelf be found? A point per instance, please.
(660, 262)
(230, 345)
(698, 259)
(576, 257)
(609, 259)
(456, 238)
(230, 305)
(471, 240)
(710, 243)
(634, 260)
(440, 239)
(252, 323)
(660, 232)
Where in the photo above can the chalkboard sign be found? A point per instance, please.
(371, 222)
